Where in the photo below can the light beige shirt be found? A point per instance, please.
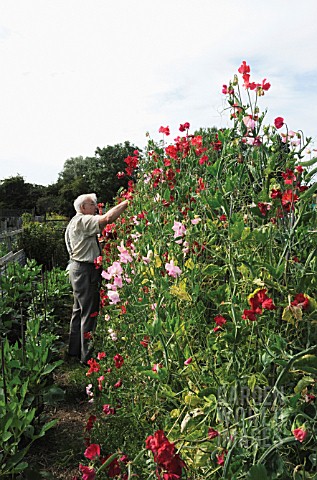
(81, 239)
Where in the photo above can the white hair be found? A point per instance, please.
(83, 198)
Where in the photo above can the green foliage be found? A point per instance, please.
(28, 291)
(25, 372)
(44, 241)
(31, 304)
(216, 318)
(94, 174)
(16, 194)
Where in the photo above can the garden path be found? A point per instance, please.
(58, 454)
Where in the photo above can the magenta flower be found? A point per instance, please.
(118, 384)
(188, 361)
(212, 433)
(184, 126)
(172, 270)
(92, 451)
(108, 410)
(279, 122)
(88, 473)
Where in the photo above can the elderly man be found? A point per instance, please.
(83, 248)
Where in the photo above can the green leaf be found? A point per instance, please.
(309, 193)
(5, 437)
(257, 472)
(307, 363)
(309, 163)
(46, 427)
(303, 383)
(167, 195)
(50, 367)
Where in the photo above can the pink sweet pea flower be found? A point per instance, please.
(100, 380)
(156, 367)
(300, 434)
(124, 255)
(114, 297)
(172, 269)
(249, 122)
(188, 361)
(220, 458)
(179, 229)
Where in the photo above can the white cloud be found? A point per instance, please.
(78, 74)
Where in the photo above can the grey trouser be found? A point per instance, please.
(85, 280)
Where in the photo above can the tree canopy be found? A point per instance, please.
(79, 175)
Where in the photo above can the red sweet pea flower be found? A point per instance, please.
(249, 315)
(276, 193)
(221, 458)
(94, 366)
(264, 207)
(171, 151)
(90, 422)
(184, 127)
(244, 68)
(88, 473)
(258, 301)
(301, 301)
(264, 85)
(92, 451)
(220, 321)
(212, 433)
(98, 263)
(87, 335)
(289, 177)
(164, 130)
(227, 90)
(145, 341)
(118, 384)
(279, 122)
(289, 198)
(268, 304)
(118, 360)
(165, 456)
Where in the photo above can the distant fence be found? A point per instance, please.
(17, 257)
(8, 237)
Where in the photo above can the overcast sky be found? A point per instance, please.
(81, 74)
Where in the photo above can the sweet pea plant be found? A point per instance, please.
(206, 341)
